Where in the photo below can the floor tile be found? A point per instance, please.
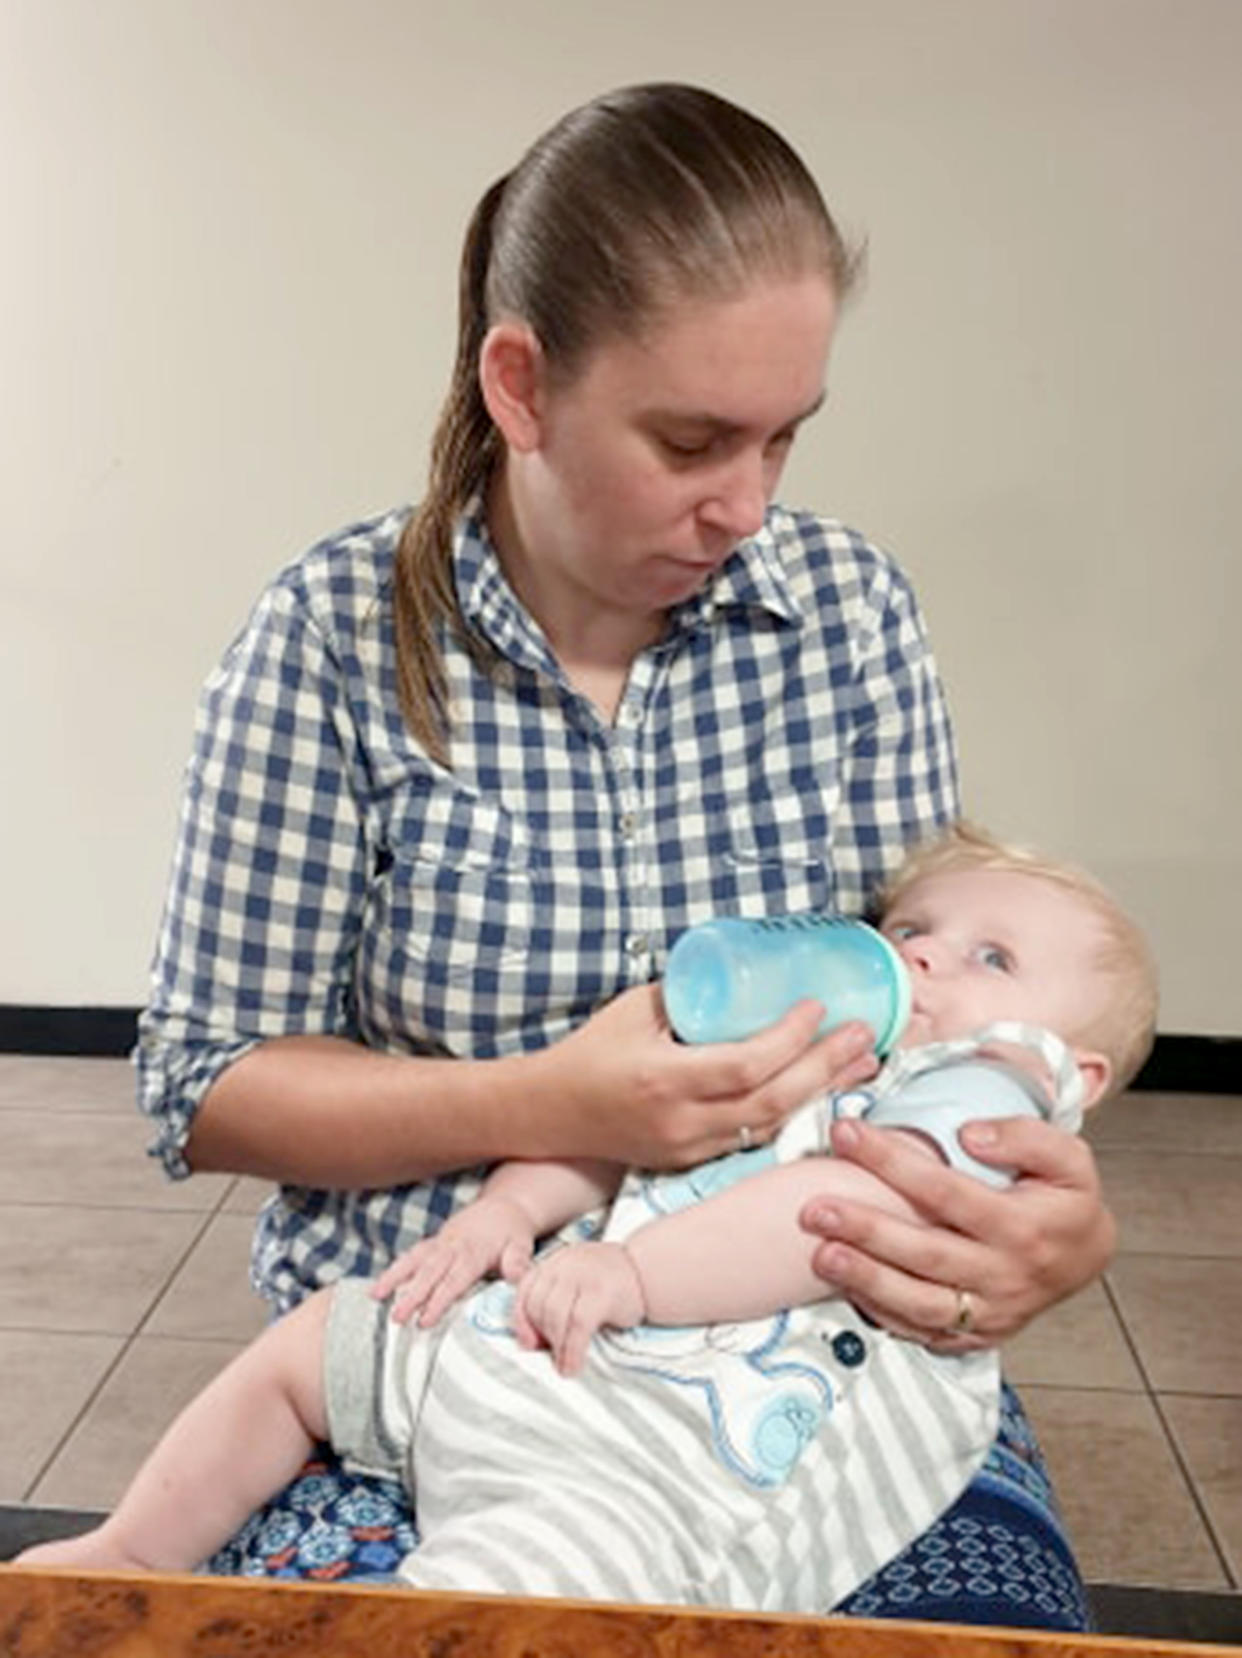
(156, 1377)
(247, 1196)
(1184, 1317)
(1209, 1435)
(210, 1296)
(1079, 1343)
(1129, 1511)
(1210, 1123)
(86, 1270)
(67, 1084)
(45, 1379)
(96, 1160)
(1174, 1204)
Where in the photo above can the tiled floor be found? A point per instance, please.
(120, 1294)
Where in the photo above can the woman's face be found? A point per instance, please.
(647, 469)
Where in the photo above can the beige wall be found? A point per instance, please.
(229, 237)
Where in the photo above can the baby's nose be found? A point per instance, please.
(918, 954)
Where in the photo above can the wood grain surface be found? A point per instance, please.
(61, 1614)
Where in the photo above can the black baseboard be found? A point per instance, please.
(88, 1032)
(1178, 1064)
(1193, 1065)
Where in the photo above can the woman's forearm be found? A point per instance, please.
(742, 1253)
(323, 1111)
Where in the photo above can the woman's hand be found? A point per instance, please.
(622, 1087)
(987, 1261)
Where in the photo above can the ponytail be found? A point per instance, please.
(463, 453)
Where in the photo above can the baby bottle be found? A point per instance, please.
(728, 978)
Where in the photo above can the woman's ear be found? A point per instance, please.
(1096, 1070)
(511, 380)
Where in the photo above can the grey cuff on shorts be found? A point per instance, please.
(355, 1346)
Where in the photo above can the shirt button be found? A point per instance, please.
(629, 823)
(849, 1349)
(631, 712)
(638, 944)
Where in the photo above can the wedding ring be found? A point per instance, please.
(745, 1139)
(965, 1319)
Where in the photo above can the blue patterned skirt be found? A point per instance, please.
(998, 1556)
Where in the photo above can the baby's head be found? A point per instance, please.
(997, 932)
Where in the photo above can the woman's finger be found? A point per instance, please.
(933, 1255)
(726, 1070)
(1034, 1150)
(909, 1307)
(943, 1195)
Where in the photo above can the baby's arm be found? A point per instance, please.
(679, 1267)
(679, 1257)
(520, 1202)
(687, 1268)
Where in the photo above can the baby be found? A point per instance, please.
(675, 1413)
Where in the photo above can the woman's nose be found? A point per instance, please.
(740, 501)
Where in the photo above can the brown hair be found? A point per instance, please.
(1124, 1028)
(640, 198)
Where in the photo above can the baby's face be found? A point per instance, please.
(991, 944)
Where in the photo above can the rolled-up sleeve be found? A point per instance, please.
(260, 925)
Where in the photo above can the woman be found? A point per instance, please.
(469, 771)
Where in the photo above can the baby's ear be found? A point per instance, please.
(1097, 1072)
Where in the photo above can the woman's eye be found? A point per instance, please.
(991, 955)
(686, 451)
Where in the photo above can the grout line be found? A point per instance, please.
(1170, 1438)
(111, 1369)
(1217, 1543)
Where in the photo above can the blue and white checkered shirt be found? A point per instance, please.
(774, 752)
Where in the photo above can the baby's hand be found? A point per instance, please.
(488, 1235)
(573, 1292)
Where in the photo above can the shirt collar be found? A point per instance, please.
(752, 577)
(488, 603)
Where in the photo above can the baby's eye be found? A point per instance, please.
(991, 955)
(901, 929)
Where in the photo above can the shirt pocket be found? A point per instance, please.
(753, 857)
(454, 922)
(453, 896)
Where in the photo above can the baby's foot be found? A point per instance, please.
(92, 1551)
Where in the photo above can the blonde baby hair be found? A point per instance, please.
(1125, 1028)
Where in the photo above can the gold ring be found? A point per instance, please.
(745, 1139)
(965, 1319)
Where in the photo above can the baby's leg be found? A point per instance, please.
(243, 1438)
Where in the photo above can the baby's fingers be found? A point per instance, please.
(527, 1324)
(458, 1277)
(404, 1270)
(577, 1331)
(515, 1259)
(424, 1285)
